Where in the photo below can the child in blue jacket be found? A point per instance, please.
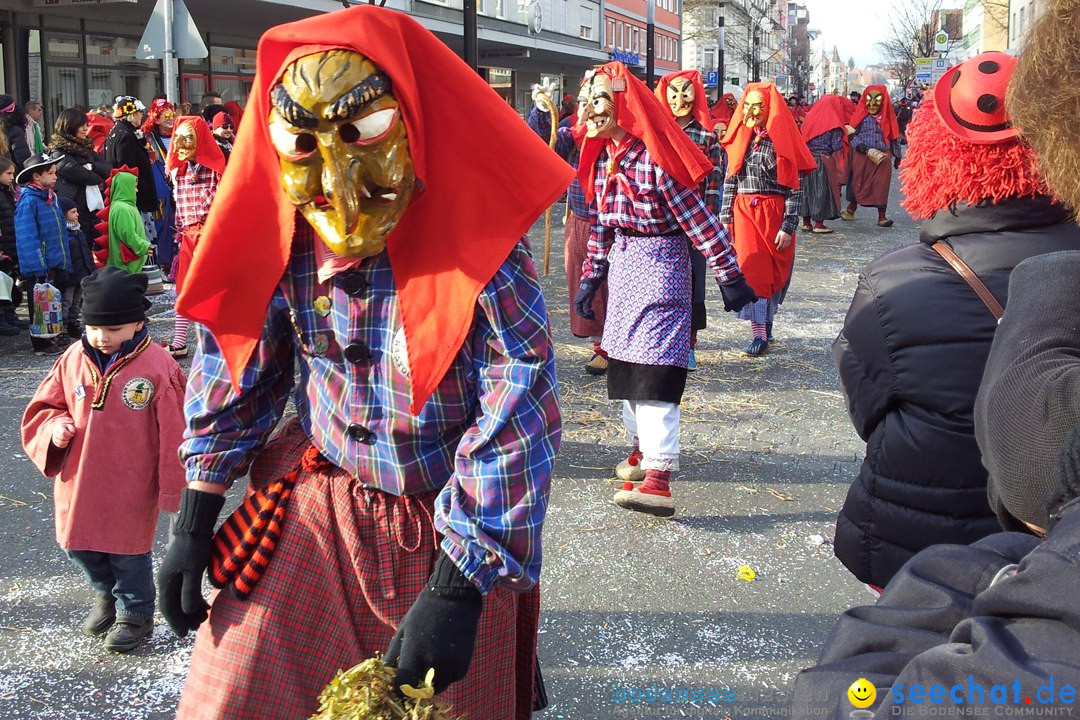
(41, 233)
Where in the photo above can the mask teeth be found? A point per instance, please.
(364, 191)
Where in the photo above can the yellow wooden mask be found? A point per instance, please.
(341, 140)
(755, 109)
(680, 96)
(185, 143)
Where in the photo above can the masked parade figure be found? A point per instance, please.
(823, 131)
(643, 172)
(355, 239)
(195, 164)
(722, 112)
(877, 153)
(766, 155)
(684, 93)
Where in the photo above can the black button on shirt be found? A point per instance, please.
(360, 434)
(357, 353)
(353, 283)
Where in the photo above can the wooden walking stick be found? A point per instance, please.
(544, 99)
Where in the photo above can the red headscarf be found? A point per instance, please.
(700, 111)
(792, 155)
(235, 112)
(826, 114)
(207, 152)
(848, 106)
(640, 114)
(468, 147)
(99, 130)
(720, 111)
(890, 130)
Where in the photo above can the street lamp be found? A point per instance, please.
(650, 43)
(720, 54)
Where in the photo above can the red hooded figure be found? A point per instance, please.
(826, 137)
(364, 257)
(877, 151)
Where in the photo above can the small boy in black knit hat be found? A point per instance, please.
(106, 424)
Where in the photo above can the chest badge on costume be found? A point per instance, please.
(320, 344)
(400, 353)
(322, 305)
(137, 393)
(80, 392)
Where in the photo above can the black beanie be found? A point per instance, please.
(65, 204)
(112, 296)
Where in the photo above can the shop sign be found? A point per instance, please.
(59, 3)
(625, 57)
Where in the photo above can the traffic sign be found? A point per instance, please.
(923, 70)
(938, 66)
(711, 78)
(941, 41)
(186, 40)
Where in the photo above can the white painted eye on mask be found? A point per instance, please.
(370, 128)
(290, 145)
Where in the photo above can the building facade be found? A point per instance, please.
(625, 34)
(74, 52)
(754, 39)
(1022, 13)
(986, 26)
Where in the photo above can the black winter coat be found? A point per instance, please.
(962, 616)
(124, 147)
(72, 179)
(911, 356)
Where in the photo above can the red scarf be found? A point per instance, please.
(886, 119)
(700, 111)
(468, 148)
(207, 151)
(792, 155)
(639, 113)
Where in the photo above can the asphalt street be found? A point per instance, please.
(630, 602)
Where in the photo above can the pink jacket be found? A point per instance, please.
(122, 466)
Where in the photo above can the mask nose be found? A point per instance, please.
(337, 190)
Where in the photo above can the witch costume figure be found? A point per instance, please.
(351, 245)
(644, 173)
(823, 131)
(877, 153)
(684, 93)
(766, 155)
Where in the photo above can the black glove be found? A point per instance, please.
(584, 297)
(736, 293)
(186, 559)
(439, 631)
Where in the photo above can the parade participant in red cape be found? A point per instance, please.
(722, 112)
(684, 94)
(195, 164)
(877, 152)
(766, 155)
(357, 234)
(823, 131)
(643, 172)
(910, 376)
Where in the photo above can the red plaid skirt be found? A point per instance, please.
(349, 564)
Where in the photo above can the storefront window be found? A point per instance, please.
(194, 87)
(232, 61)
(105, 84)
(66, 89)
(115, 52)
(232, 88)
(63, 48)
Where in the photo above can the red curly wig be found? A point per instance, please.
(941, 170)
(155, 111)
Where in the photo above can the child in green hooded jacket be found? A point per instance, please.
(127, 235)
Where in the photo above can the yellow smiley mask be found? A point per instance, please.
(342, 145)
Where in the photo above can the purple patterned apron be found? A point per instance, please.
(648, 313)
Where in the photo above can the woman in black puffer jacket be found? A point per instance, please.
(81, 167)
(916, 337)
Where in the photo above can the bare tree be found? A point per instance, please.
(909, 35)
(745, 21)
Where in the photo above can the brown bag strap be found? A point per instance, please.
(970, 278)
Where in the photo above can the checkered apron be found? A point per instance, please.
(350, 562)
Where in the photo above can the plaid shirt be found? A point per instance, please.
(712, 187)
(642, 199)
(487, 437)
(827, 143)
(757, 176)
(195, 187)
(868, 135)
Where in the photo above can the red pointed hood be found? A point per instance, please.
(792, 155)
(485, 178)
(640, 114)
(207, 152)
(700, 110)
(721, 113)
(890, 129)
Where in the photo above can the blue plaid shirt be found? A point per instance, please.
(827, 143)
(641, 199)
(487, 437)
(868, 135)
(757, 176)
(568, 151)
